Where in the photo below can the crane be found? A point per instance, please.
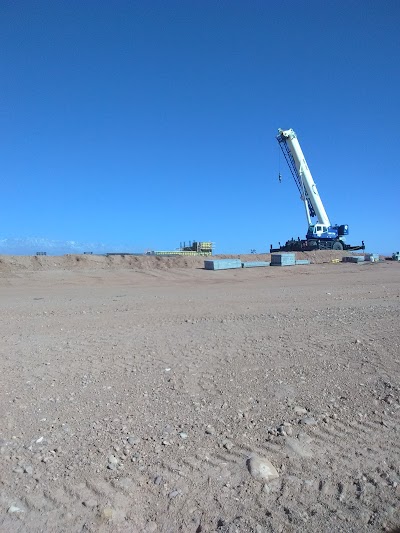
(321, 233)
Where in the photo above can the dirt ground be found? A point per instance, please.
(135, 392)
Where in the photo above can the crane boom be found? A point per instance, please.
(302, 175)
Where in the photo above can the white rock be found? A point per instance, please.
(308, 421)
(14, 509)
(227, 444)
(108, 512)
(261, 469)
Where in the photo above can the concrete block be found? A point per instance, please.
(222, 264)
(353, 259)
(285, 259)
(251, 264)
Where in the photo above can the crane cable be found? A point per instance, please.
(279, 166)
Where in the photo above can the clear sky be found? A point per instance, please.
(145, 123)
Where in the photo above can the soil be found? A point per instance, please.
(141, 394)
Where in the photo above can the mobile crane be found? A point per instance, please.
(321, 235)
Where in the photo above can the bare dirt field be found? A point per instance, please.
(137, 395)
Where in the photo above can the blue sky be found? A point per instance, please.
(143, 124)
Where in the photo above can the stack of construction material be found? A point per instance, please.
(302, 262)
(286, 259)
(222, 264)
(374, 258)
(251, 264)
(353, 259)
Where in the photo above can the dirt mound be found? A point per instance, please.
(10, 263)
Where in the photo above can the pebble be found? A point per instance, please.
(113, 460)
(14, 509)
(132, 440)
(261, 469)
(183, 435)
(174, 494)
(107, 512)
(28, 470)
(157, 480)
(210, 430)
(300, 410)
(18, 470)
(308, 421)
(227, 444)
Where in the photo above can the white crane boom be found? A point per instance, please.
(308, 188)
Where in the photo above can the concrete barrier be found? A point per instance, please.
(222, 264)
(251, 264)
(286, 259)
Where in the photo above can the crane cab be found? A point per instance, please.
(321, 231)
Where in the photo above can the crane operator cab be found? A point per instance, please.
(322, 231)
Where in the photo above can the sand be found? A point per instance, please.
(138, 393)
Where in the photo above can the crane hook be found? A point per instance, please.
(280, 177)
